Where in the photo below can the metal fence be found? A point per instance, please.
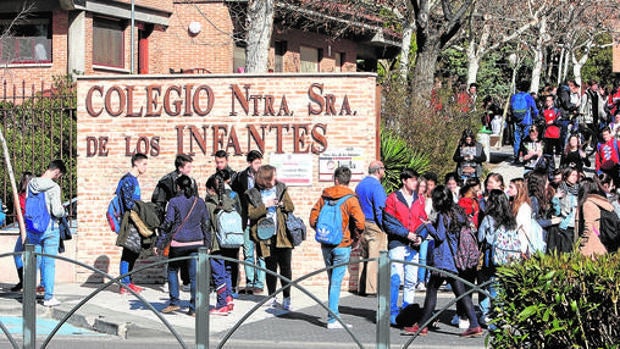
(39, 125)
(203, 274)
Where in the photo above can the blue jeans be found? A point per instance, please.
(19, 247)
(128, 259)
(46, 243)
(485, 302)
(334, 256)
(423, 253)
(253, 277)
(173, 280)
(399, 271)
(521, 132)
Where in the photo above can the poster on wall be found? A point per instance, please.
(294, 170)
(350, 157)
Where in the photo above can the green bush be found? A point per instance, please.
(396, 155)
(565, 301)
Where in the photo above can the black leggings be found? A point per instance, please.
(279, 257)
(458, 288)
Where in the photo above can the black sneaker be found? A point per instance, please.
(17, 288)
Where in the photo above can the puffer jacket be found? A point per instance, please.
(257, 210)
(399, 219)
(352, 216)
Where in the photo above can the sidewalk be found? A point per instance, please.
(124, 316)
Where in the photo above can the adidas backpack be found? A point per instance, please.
(37, 217)
(329, 224)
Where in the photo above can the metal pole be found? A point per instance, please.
(29, 308)
(132, 44)
(383, 302)
(203, 275)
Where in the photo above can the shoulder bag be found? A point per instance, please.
(165, 252)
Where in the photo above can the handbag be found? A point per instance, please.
(296, 229)
(265, 228)
(165, 252)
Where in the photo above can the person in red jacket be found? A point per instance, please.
(608, 156)
(353, 221)
(404, 213)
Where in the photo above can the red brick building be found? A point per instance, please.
(97, 37)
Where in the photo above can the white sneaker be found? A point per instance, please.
(52, 302)
(274, 303)
(463, 324)
(337, 325)
(286, 304)
(186, 288)
(420, 286)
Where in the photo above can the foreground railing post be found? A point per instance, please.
(383, 301)
(29, 298)
(203, 276)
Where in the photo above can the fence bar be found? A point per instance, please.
(383, 301)
(203, 275)
(29, 299)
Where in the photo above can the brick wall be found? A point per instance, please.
(98, 175)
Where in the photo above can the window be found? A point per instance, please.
(280, 51)
(309, 57)
(338, 59)
(108, 43)
(239, 59)
(29, 42)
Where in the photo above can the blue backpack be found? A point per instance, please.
(229, 229)
(113, 214)
(37, 217)
(519, 106)
(329, 224)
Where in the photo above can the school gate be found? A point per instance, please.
(304, 124)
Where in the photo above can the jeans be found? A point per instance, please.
(18, 258)
(220, 272)
(46, 243)
(128, 259)
(402, 253)
(521, 132)
(334, 256)
(279, 257)
(173, 280)
(485, 302)
(423, 253)
(253, 277)
(232, 267)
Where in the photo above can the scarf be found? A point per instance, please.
(570, 189)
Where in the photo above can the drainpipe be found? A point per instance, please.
(132, 44)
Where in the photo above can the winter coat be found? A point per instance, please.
(52, 195)
(166, 189)
(588, 219)
(446, 241)
(352, 216)
(239, 184)
(195, 231)
(257, 210)
(399, 219)
(229, 202)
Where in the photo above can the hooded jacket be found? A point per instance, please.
(352, 216)
(399, 218)
(52, 195)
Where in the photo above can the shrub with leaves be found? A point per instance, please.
(397, 155)
(558, 301)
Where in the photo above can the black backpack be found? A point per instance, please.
(609, 233)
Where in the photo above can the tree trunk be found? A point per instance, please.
(424, 73)
(405, 58)
(560, 64)
(538, 56)
(260, 26)
(473, 63)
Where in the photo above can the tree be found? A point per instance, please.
(260, 17)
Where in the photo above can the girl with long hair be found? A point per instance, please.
(574, 155)
(567, 194)
(450, 220)
(522, 210)
(469, 156)
(592, 201)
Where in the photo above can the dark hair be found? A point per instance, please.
(466, 189)
(567, 171)
(498, 178)
(406, 174)
(212, 183)
(498, 207)
(537, 187)
(588, 186)
(473, 181)
(57, 165)
(343, 175)
(452, 175)
(181, 160)
(264, 176)
(443, 203)
(523, 86)
(185, 186)
(23, 182)
(430, 176)
(467, 133)
(253, 155)
(137, 157)
(221, 154)
(603, 179)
